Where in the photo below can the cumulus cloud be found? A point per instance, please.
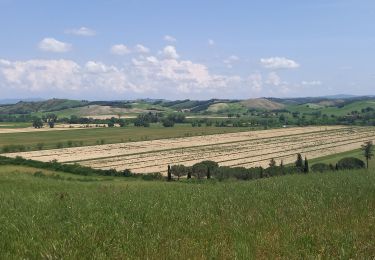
(120, 49)
(82, 31)
(311, 83)
(170, 52)
(53, 45)
(169, 38)
(273, 79)
(278, 63)
(255, 81)
(141, 49)
(145, 74)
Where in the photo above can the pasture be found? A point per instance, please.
(329, 215)
(244, 149)
(30, 138)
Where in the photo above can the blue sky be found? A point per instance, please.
(114, 49)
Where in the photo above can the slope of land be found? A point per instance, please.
(329, 215)
(244, 149)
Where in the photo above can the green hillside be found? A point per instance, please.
(40, 106)
(54, 215)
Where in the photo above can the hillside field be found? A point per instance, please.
(245, 149)
(329, 215)
(50, 139)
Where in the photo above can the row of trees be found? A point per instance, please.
(209, 169)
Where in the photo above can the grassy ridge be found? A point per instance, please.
(109, 135)
(327, 215)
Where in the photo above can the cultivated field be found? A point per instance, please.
(301, 216)
(245, 149)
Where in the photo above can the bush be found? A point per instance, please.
(320, 167)
(168, 123)
(350, 163)
(39, 146)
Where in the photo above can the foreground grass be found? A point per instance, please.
(328, 215)
(85, 137)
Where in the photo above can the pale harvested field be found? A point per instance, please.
(246, 149)
(56, 128)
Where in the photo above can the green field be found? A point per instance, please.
(334, 158)
(329, 215)
(85, 137)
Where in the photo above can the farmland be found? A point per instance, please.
(245, 149)
(85, 137)
(328, 215)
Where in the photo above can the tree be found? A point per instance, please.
(272, 163)
(322, 167)
(50, 119)
(179, 170)
(349, 163)
(306, 166)
(111, 124)
(169, 173)
(167, 122)
(282, 167)
(37, 123)
(299, 162)
(368, 152)
(199, 170)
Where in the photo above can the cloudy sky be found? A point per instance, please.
(126, 49)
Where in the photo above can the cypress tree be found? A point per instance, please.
(299, 162)
(169, 173)
(208, 173)
(189, 173)
(282, 167)
(306, 166)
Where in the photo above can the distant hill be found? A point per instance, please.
(50, 105)
(262, 103)
(66, 107)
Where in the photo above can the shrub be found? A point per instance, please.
(39, 146)
(350, 163)
(168, 123)
(320, 167)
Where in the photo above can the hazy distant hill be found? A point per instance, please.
(50, 105)
(262, 103)
(66, 107)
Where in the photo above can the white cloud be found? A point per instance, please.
(311, 83)
(278, 63)
(170, 52)
(255, 81)
(53, 45)
(83, 31)
(169, 38)
(120, 49)
(211, 42)
(141, 49)
(231, 60)
(144, 75)
(273, 79)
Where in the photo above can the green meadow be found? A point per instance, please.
(56, 215)
(85, 137)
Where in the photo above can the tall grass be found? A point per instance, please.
(298, 216)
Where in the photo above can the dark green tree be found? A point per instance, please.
(368, 151)
(37, 123)
(272, 163)
(169, 173)
(306, 166)
(299, 162)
